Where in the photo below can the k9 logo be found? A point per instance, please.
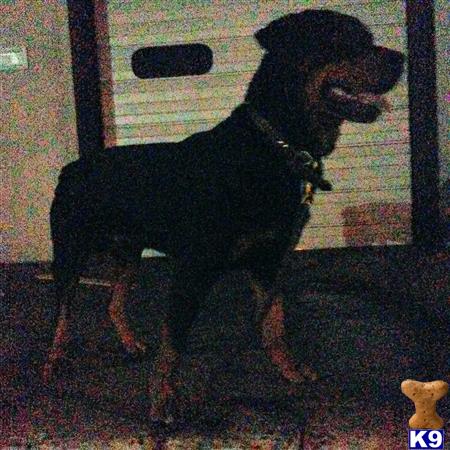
(429, 439)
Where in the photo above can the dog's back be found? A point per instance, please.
(145, 192)
(100, 194)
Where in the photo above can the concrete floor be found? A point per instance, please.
(361, 344)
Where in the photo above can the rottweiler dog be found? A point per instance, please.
(236, 196)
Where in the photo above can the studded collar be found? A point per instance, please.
(300, 162)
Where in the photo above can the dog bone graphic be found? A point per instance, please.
(425, 396)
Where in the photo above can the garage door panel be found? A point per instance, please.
(370, 168)
(195, 84)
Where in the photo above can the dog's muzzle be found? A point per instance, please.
(360, 98)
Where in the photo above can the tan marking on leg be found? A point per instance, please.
(56, 352)
(161, 383)
(273, 340)
(263, 299)
(273, 333)
(116, 311)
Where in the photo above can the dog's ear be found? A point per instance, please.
(313, 31)
(297, 31)
(275, 34)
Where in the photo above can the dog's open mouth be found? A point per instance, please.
(357, 107)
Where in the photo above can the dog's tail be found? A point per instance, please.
(70, 195)
(68, 218)
(71, 178)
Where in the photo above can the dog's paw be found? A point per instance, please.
(53, 363)
(53, 370)
(133, 346)
(161, 385)
(305, 373)
(47, 372)
(308, 373)
(161, 393)
(161, 416)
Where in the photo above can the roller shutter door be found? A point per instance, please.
(370, 169)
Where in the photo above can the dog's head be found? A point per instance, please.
(329, 67)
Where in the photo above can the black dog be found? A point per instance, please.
(235, 196)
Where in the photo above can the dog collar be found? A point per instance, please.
(300, 161)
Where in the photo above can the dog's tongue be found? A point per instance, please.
(378, 100)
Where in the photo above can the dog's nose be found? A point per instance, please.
(396, 58)
(389, 64)
(390, 57)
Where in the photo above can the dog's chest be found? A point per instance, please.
(277, 226)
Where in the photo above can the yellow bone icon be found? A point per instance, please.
(425, 396)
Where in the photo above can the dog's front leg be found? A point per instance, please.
(161, 380)
(270, 309)
(192, 282)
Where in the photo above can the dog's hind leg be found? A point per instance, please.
(126, 274)
(66, 272)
